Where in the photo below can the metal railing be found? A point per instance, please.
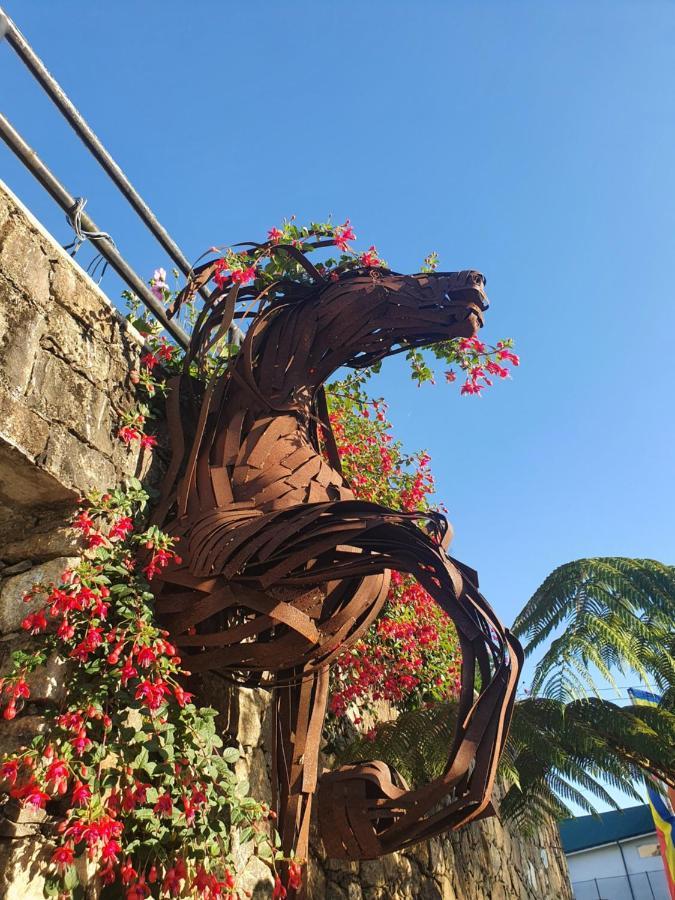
(48, 180)
(638, 886)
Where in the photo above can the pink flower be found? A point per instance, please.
(370, 257)
(148, 440)
(342, 234)
(275, 235)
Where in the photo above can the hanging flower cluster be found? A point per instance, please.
(130, 767)
(410, 655)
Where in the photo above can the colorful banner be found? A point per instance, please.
(664, 820)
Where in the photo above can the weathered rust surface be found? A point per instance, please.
(283, 569)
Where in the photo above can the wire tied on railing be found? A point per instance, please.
(74, 219)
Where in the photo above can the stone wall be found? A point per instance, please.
(65, 359)
(484, 861)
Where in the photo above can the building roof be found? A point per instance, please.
(584, 832)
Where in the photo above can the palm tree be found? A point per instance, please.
(601, 617)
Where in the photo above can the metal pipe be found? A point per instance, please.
(59, 97)
(67, 202)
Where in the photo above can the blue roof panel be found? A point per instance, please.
(584, 832)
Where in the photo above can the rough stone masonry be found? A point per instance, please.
(65, 361)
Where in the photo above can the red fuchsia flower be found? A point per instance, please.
(165, 350)
(35, 798)
(83, 522)
(182, 697)
(121, 528)
(152, 693)
(503, 352)
(145, 657)
(70, 721)
(158, 561)
(279, 892)
(92, 639)
(81, 794)
(127, 672)
(109, 851)
(220, 274)
(96, 540)
(80, 743)
(164, 805)
(275, 235)
(128, 433)
(148, 441)
(9, 771)
(472, 343)
(241, 276)
(127, 871)
(370, 257)
(495, 369)
(21, 689)
(295, 876)
(35, 623)
(57, 776)
(450, 376)
(138, 891)
(63, 857)
(149, 361)
(342, 234)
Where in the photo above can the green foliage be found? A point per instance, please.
(614, 614)
(564, 746)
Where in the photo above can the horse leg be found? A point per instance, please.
(299, 710)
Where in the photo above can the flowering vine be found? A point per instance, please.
(410, 655)
(132, 769)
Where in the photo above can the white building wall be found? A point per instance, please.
(599, 873)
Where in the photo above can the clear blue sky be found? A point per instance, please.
(533, 141)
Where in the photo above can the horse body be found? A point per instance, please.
(283, 568)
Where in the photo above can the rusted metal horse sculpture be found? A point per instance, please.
(283, 568)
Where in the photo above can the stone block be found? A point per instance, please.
(41, 545)
(23, 260)
(76, 464)
(21, 326)
(78, 344)
(48, 682)
(19, 733)
(74, 292)
(61, 395)
(12, 608)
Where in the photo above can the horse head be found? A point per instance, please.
(306, 333)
